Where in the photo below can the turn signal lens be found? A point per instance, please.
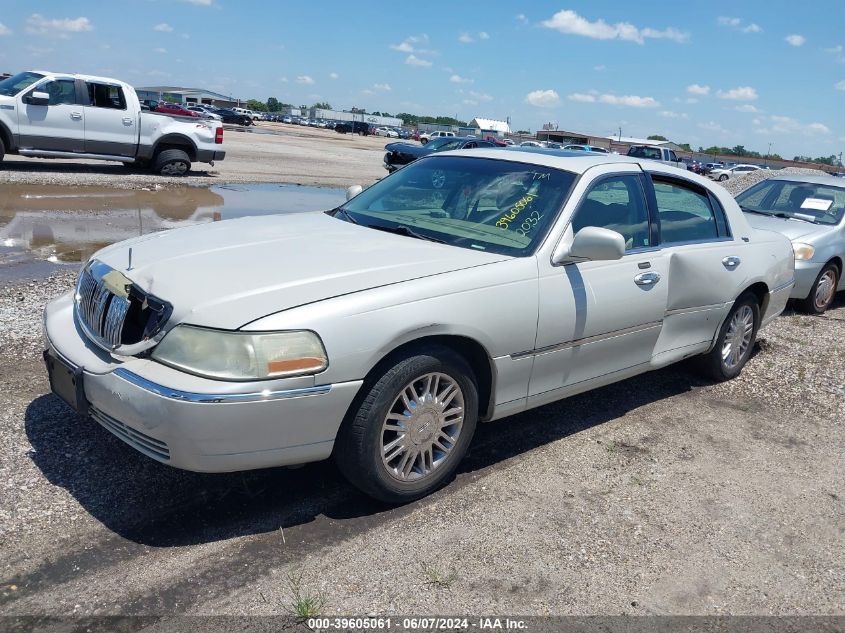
(803, 251)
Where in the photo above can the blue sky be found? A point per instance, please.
(748, 72)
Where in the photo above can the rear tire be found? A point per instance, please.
(2, 149)
(735, 341)
(172, 162)
(412, 428)
(823, 291)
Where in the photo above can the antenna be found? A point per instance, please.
(130, 259)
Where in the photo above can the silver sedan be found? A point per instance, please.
(810, 211)
(382, 331)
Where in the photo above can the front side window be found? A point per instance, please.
(106, 96)
(684, 213)
(477, 203)
(61, 91)
(616, 203)
(11, 86)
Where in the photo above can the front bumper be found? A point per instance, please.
(805, 276)
(195, 423)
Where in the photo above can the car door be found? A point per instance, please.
(600, 318)
(704, 259)
(57, 126)
(110, 128)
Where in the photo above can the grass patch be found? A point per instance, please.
(437, 578)
(303, 603)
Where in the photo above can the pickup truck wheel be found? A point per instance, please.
(735, 341)
(172, 162)
(409, 433)
(2, 150)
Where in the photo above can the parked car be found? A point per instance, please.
(531, 144)
(724, 173)
(425, 137)
(527, 279)
(810, 211)
(400, 154)
(386, 131)
(508, 141)
(654, 152)
(585, 148)
(355, 127)
(57, 115)
(230, 116)
(205, 113)
(244, 112)
(287, 119)
(175, 109)
(708, 167)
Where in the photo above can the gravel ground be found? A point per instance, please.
(741, 183)
(302, 156)
(663, 494)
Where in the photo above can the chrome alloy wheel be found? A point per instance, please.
(738, 337)
(422, 426)
(825, 289)
(176, 168)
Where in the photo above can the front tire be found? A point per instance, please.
(723, 177)
(735, 341)
(823, 291)
(411, 430)
(2, 149)
(172, 162)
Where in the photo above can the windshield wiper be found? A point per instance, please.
(345, 214)
(750, 210)
(401, 229)
(787, 216)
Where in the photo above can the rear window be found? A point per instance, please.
(645, 152)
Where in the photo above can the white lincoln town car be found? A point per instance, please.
(467, 286)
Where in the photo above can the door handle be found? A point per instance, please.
(76, 115)
(127, 121)
(731, 262)
(647, 279)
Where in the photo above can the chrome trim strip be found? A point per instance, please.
(61, 154)
(214, 398)
(712, 306)
(788, 284)
(587, 339)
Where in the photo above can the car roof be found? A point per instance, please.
(572, 161)
(78, 76)
(815, 180)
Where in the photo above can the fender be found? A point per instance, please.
(175, 139)
(8, 138)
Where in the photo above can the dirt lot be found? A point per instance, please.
(271, 152)
(664, 494)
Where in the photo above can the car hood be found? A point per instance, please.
(793, 229)
(407, 148)
(226, 274)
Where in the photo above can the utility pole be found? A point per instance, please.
(767, 154)
(620, 133)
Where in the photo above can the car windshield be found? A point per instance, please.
(808, 201)
(16, 83)
(488, 205)
(438, 143)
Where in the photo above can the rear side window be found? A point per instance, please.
(685, 213)
(106, 96)
(616, 203)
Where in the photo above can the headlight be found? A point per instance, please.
(242, 355)
(803, 251)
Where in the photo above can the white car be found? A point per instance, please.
(382, 331)
(425, 137)
(724, 173)
(531, 144)
(204, 113)
(386, 131)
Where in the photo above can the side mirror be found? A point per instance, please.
(592, 243)
(37, 98)
(353, 191)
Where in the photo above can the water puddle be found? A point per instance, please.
(44, 228)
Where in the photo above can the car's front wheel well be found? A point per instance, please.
(469, 349)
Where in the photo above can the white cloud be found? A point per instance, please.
(580, 97)
(333, 75)
(409, 44)
(284, 80)
(483, 35)
(787, 125)
(736, 23)
(712, 126)
(5, 30)
(600, 68)
(465, 38)
(840, 85)
(631, 101)
(745, 93)
(834, 49)
(39, 25)
(747, 107)
(164, 27)
(695, 89)
(469, 102)
(382, 87)
(795, 40)
(200, 3)
(480, 96)
(571, 23)
(160, 50)
(367, 91)
(543, 98)
(457, 79)
(413, 60)
(668, 114)
(690, 100)
(520, 17)
(305, 79)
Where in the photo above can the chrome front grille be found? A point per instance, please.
(114, 312)
(148, 445)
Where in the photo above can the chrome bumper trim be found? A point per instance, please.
(214, 398)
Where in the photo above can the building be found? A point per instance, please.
(337, 115)
(618, 144)
(490, 126)
(186, 96)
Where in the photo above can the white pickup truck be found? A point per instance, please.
(56, 115)
(654, 152)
